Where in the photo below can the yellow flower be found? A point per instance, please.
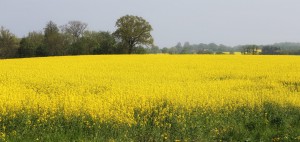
(114, 87)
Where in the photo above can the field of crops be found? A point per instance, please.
(150, 98)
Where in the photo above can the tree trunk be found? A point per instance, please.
(130, 49)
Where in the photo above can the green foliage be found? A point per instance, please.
(164, 50)
(8, 44)
(29, 44)
(270, 50)
(133, 31)
(201, 48)
(106, 43)
(288, 46)
(74, 28)
(219, 52)
(133, 35)
(153, 50)
(139, 50)
(269, 122)
(53, 40)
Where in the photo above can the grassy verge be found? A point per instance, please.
(165, 122)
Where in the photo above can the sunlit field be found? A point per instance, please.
(150, 98)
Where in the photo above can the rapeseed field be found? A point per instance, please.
(150, 98)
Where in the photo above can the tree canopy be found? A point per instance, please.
(133, 31)
(132, 36)
(8, 43)
(74, 28)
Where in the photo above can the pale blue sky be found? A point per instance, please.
(229, 22)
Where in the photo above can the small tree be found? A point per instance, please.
(133, 31)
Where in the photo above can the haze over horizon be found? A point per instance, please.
(230, 22)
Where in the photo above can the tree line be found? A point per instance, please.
(283, 48)
(201, 48)
(132, 36)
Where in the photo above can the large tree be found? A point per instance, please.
(133, 31)
(8, 44)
